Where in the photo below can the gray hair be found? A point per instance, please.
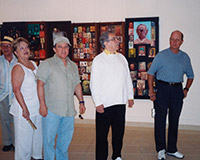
(104, 38)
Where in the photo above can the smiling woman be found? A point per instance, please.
(25, 105)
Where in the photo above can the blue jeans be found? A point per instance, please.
(64, 128)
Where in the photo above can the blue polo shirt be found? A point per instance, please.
(170, 67)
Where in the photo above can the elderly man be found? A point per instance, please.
(142, 32)
(169, 67)
(7, 61)
(111, 88)
(58, 80)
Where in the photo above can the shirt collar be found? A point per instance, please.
(58, 60)
(14, 59)
(108, 52)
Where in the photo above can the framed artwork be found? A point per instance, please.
(141, 46)
(13, 29)
(118, 29)
(84, 50)
(37, 39)
(84, 41)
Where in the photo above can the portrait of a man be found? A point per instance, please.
(143, 30)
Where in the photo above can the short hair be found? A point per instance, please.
(182, 36)
(16, 43)
(104, 38)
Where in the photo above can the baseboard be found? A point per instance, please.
(139, 124)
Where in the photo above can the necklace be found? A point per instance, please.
(27, 65)
(30, 66)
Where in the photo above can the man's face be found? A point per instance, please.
(113, 43)
(6, 49)
(62, 50)
(142, 31)
(175, 40)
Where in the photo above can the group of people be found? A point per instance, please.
(48, 91)
(29, 93)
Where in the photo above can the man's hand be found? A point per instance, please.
(152, 96)
(185, 93)
(130, 103)
(82, 108)
(43, 110)
(100, 109)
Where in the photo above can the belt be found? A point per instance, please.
(169, 83)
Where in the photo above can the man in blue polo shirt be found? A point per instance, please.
(169, 67)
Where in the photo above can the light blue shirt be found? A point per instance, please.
(170, 67)
(5, 78)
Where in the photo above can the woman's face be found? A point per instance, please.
(23, 51)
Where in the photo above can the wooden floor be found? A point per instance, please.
(138, 144)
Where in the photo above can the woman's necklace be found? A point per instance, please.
(30, 66)
(27, 64)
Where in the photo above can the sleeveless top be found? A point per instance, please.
(29, 93)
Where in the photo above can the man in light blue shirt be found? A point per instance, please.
(7, 61)
(169, 67)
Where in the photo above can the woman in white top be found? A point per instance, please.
(25, 106)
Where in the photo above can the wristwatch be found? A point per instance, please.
(81, 102)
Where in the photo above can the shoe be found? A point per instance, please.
(7, 148)
(35, 159)
(176, 154)
(118, 158)
(161, 155)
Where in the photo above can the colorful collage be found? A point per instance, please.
(36, 37)
(84, 42)
(141, 48)
(84, 51)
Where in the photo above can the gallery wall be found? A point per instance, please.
(183, 15)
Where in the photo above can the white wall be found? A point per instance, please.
(174, 14)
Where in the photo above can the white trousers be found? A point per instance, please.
(28, 142)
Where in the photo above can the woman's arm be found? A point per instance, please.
(17, 77)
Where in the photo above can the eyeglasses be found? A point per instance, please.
(114, 39)
(6, 45)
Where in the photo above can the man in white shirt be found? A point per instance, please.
(111, 88)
